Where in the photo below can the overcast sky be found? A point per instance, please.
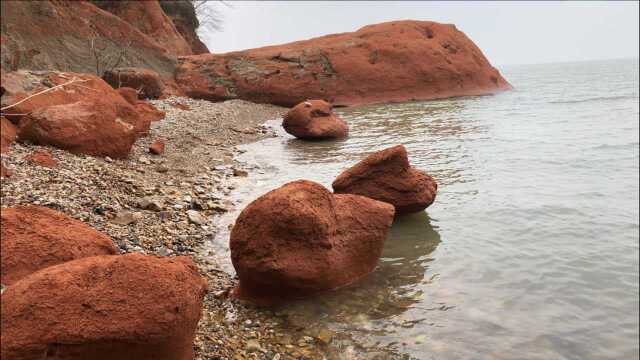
(507, 33)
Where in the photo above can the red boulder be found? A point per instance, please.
(387, 176)
(314, 119)
(147, 82)
(149, 113)
(103, 308)
(42, 158)
(129, 94)
(157, 147)
(23, 84)
(301, 239)
(34, 238)
(91, 128)
(7, 135)
(22, 88)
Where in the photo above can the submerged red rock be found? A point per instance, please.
(314, 119)
(387, 176)
(34, 238)
(393, 61)
(103, 308)
(301, 239)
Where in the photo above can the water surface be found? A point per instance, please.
(531, 248)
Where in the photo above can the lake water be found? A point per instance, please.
(530, 250)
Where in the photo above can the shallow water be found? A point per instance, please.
(531, 248)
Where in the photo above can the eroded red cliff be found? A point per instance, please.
(92, 36)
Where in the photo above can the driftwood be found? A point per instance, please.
(73, 81)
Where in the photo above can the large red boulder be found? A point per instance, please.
(34, 238)
(301, 239)
(147, 82)
(314, 119)
(22, 86)
(91, 128)
(393, 61)
(7, 135)
(387, 176)
(103, 308)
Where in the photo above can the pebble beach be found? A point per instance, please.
(166, 205)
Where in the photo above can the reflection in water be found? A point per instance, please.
(433, 132)
(367, 313)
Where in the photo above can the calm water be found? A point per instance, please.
(531, 248)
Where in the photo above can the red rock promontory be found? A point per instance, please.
(301, 239)
(393, 61)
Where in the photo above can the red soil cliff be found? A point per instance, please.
(393, 61)
(149, 18)
(57, 34)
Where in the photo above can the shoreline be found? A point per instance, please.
(197, 172)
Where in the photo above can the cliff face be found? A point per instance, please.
(394, 61)
(58, 35)
(183, 16)
(149, 18)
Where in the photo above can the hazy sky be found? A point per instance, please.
(507, 33)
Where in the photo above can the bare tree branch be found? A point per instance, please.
(208, 13)
(106, 59)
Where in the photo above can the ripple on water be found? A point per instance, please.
(531, 248)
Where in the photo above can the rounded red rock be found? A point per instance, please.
(301, 239)
(125, 307)
(314, 119)
(35, 237)
(387, 176)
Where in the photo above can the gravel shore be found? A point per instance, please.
(166, 205)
